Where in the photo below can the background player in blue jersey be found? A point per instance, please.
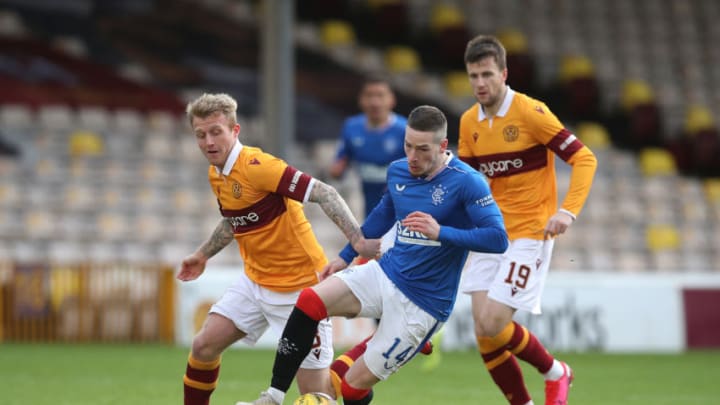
(371, 140)
(442, 208)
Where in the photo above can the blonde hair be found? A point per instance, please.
(209, 104)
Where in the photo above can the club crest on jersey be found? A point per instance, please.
(390, 145)
(438, 194)
(511, 133)
(475, 136)
(236, 189)
(254, 161)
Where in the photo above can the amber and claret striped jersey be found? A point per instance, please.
(515, 151)
(260, 196)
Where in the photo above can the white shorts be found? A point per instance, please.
(515, 278)
(404, 327)
(253, 308)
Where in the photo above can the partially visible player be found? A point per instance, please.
(513, 139)
(260, 199)
(371, 140)
(442, 209)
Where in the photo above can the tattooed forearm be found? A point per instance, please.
(336, 209)
(221, 237)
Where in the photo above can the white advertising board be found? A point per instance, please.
(608, 312)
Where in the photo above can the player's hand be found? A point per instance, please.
(368, 248)
(192, 267)
(422, 222)
(332, 268)
(557, 225)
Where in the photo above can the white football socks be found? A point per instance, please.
(276, 394)
(555, 372)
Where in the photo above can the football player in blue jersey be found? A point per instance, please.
(442, 209)
(371, 140)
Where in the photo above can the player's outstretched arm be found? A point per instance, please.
(338, 211)
(194, 264)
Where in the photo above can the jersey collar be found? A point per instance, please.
(390, 122)
(448, 158)
(509, 95)
(231, 159)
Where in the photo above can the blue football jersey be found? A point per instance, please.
(428, 271)
(370, 151)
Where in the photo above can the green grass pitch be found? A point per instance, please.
(59, 374)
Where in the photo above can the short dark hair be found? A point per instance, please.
(427, 118)
(483, 46)
(376, 78)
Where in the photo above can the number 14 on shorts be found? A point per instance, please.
(395, 356)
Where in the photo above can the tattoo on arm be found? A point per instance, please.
(336, 209)
(221, 237)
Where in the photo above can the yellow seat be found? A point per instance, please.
(634, 93)
(402, 59)
(445, 16)
(335, 33)
(513, 40)
(657, 162)
(698, 118)
(86, 143)
(593, 135)
(712, 190)
(662, 237)
(457, 84)
(575, 67)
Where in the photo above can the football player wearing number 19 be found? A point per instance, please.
(513, 139)
(442, 209)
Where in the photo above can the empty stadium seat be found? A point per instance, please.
(162, 121)
(127, 122)
(337, 33)
(39, 224)
(662, 237)
(698, 118)
(402, 59)
(79, 197)
(593, 135)
(666, 261)
(712, 190)
(16, 116)
(56, 117)
(11, 226)
(445, 15)
(633, 261)
(9, 194)
(457, 84)
(85, 143)
(112, 226)
(93, 118)
(657, 162)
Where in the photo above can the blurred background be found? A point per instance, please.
(103, 190)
